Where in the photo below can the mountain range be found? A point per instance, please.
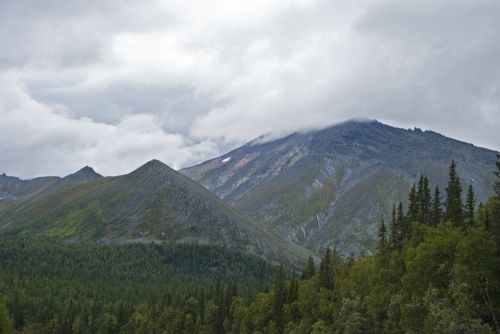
(153, 203)
(331, 187)
(279, 199)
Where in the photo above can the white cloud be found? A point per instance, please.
(35, 140)
(166, 79)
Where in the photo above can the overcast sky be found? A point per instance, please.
(114, 83)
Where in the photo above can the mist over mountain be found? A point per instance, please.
(331, 187)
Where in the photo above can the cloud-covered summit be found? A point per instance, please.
(115, 83)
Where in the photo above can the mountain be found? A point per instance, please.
(84, 174)
(331, 187)
(153, 203)
(12, 187)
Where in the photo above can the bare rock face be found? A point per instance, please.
(331, 187)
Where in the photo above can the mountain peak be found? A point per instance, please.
(153, 166)
(84, 174)
(154, 162)
(358, 168)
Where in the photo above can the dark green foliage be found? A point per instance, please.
(454, 204)
(124, 288)
(419, 203)
(470, 206)
(325, 270)
(5, 319)
(395, 236)
(424, 200)
(403, 225)
(279, 299)
(221, 308)
(382, 238)
(400, 228)
(436, 214)
(310, 269)
(293, 291)
(413, 205)
(496, 186)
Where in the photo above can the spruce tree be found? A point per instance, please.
(279, 299)
(293, 291)
(413, 205)
(262, 282)
(231, 292)
(404, 227)
(309, 270)
(496, 186)
(5, 320)
(470, 205)
(383, 246)
(436, 210)
(424, 197)
(454, 205)
(221, 314)
(325, 270)
(382, 239)
(395, 235)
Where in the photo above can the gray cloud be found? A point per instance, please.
(113, 83)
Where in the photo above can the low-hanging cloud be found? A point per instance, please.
(114, 83)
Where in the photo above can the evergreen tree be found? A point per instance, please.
(325, 270)
(403, 225)
(454, 205)
(395, 236)
(496, 186)
(413, 205)
(470, 205)
(262, 285)
(424, 200)
(383, 247)
(293, 291)
(5, 320)
(382, 239)
(231, 292)
(221, 308)
(436, 210)
(279, 299)
(309, 270)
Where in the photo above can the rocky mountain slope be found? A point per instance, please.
(12, 187)
(331, 187)
(153, 203)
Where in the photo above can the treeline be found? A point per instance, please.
(437, 270)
